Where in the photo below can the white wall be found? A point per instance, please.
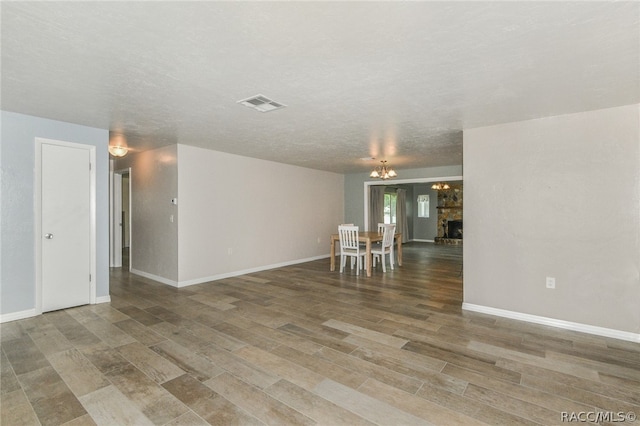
(557, 197)
(17, 216)
(267, 213)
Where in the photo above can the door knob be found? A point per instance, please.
(48, 236)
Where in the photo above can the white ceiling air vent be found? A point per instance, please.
(261, 103)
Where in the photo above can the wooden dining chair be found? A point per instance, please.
(350, 247)
(386, 248)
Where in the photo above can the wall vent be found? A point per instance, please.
(261, 103)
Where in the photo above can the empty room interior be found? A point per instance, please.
(297, 213)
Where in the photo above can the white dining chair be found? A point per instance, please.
(350, 247)
(351, 224)
(363, 245)
(381, 226)
(386, 248)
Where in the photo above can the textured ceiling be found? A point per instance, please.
(390, 80)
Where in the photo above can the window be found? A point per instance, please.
(390, 208)
(423, 205)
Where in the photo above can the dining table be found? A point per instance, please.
(367, 237)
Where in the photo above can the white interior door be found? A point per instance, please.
(65, 226)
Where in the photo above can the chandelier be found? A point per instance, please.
(440, 186)
(118, 151)
(383, 172)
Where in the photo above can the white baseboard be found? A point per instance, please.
(14, 316)
(422, 241)
(158, 278)
(567, 325)
(195, 281)
(103, 299)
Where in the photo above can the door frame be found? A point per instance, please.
(369, 183)
(38, 214)
(116, 222)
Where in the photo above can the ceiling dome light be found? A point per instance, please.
(118, 151)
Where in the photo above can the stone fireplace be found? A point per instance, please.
(450, 215)
(454, 229)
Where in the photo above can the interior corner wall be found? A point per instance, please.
(556, 197)
(154, 219)
(17, 215)
(239, 214)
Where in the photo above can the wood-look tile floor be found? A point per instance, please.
(301, 345)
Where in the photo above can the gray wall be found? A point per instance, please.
(354, 188)
(412, 211)
(154, 182)
(17, 217)
(228, 207)
(556, 197)
(231, 206)
(425, 228)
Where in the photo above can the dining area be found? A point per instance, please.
(364, 249)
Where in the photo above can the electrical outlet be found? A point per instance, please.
(551, 282)
(229, 250)
(318, 240)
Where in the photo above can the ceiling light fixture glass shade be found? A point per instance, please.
(118, 151)
(440, 186)
(383, 172)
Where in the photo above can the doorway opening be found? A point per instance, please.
(396, 182)
(121, 229)
(429, 214)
